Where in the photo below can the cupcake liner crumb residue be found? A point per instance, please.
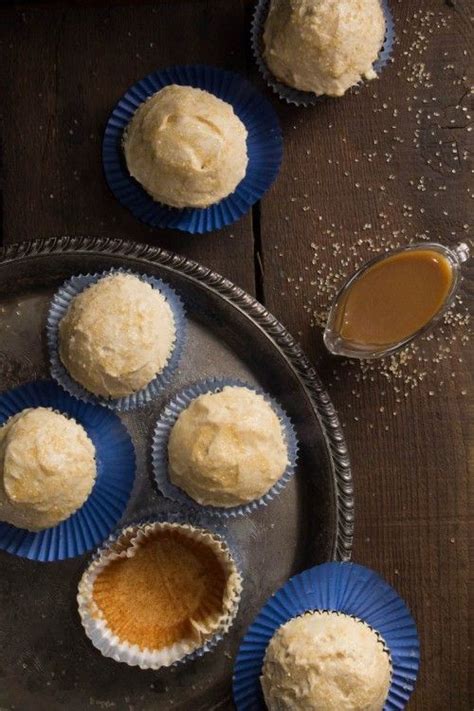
(120, 608)
(346, 588)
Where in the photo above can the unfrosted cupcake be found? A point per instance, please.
(186, 147)
(323, 46)
(158, 593)
(227, 448)
(326, 661)
(47, 468)
(117, 335)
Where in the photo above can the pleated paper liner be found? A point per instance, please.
(95, 624)
(296, 96)
(58, 309)
(343, 587)
(264, 148)
(115, 458)
(162, 433)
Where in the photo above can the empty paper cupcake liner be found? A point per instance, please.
(162, 433)
(118, 546)
(58, 309)
(264, 148)
(115, 458)
(341, 587)
(296, 96)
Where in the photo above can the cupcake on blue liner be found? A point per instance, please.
(344, 594)
(213, 428)
(299, 97)
(41, 425)
(253, 148)
(127, 602)
(164, 343)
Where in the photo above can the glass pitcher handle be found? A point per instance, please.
(462, 252)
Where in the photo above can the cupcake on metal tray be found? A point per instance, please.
(158, 593)
(66, 472)
(47, 468)
(335, 637)
(115, 338)
(225, 446)
(326, 660)
(116, 335)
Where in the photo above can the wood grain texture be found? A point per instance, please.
(387, 159)
(387, 163)
(63, 68)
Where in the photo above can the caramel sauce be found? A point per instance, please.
(394, 298)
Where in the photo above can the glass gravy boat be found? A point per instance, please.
(339, 345)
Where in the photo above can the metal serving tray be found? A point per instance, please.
(46, 661)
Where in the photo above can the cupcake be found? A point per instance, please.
(326, 660)
(186, 147)
(335, 637)
(47, 468)
(117, 335)
(227, 448)
(158, 593)
(323, 46)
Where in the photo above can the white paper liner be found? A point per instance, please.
(162, 433)
(58, 309)
(122, 546)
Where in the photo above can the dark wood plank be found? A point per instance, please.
(62, 69)
(388, 165)
(412, 512)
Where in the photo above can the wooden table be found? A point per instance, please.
(389, 162)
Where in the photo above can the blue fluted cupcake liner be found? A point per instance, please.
(103, 638)
(296, 96)
(58, 309)
(115, 458)
(342, 587)
(264, 148)
(162, 433)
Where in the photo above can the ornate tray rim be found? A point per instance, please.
(262, 318)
